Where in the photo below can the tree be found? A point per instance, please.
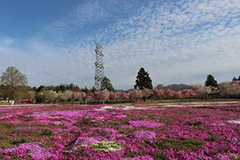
(106, 84)
(143, 80)
(65, 96)
(234, 79)
(188, 93)
(93, 89)
(86, 90)
(170, 93)
(210, 81)
(160, 86)
(204, 92)
(15, 84)
(50, 96)
(158, 94)
(229, 89)
(104, 95)
(31, 95)
(75, 96)
(12, 77)
(136, 94)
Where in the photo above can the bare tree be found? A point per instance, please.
(13, 78)
(15, 84)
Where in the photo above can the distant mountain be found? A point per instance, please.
(121, 90)
(177, 86)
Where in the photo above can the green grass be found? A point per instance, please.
(18, 141)
(146, 115)
(127, 131)
(194, 123)
(47, 132)
(160, 155)
(183, 143)
(213, 138)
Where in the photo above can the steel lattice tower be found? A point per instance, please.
(99, 69)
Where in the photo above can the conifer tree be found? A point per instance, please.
(106, 84)
(234, 79)
(143, 80)
(210, 81)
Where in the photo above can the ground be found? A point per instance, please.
(180, 130)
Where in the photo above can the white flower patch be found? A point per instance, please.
(234, 121)
(106, 108)
(174, 105)
(124, 108)
(132, 108)
(217, 124)
(106, 146)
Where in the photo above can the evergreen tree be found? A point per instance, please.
(234, 79)
(106, 84)
(86, 90)
(143, 80)
(239, 78)
(210, 81)
(93, 89)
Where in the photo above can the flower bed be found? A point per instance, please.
(142, 131)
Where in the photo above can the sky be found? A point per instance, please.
(175, 41)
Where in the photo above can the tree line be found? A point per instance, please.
(14, 86)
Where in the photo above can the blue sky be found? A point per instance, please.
(176, 41)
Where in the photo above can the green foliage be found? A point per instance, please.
(13, 78)
(143, 80)
(29, 119)
(132, 154)
(234, 79)
(106, 84)
(213, 138)
(160, 155)
(127, 131)
(233, 158)
(195, 123)
(146, 116)
(47, 132)
(114, 123)
(5, 142)
(17, 141)
(26, 118)
(211, 81)
(78, 147)
(183, 143)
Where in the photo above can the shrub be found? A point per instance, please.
(213, 138)
(47, 132)
(183, 143)
(195, 123)
(17, 141)
(160, 155)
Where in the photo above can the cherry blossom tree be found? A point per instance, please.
(158, 94)
(126, 95)
(170, 93)
(75, 95)
(104, 95)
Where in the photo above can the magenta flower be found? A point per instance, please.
(147, 124)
